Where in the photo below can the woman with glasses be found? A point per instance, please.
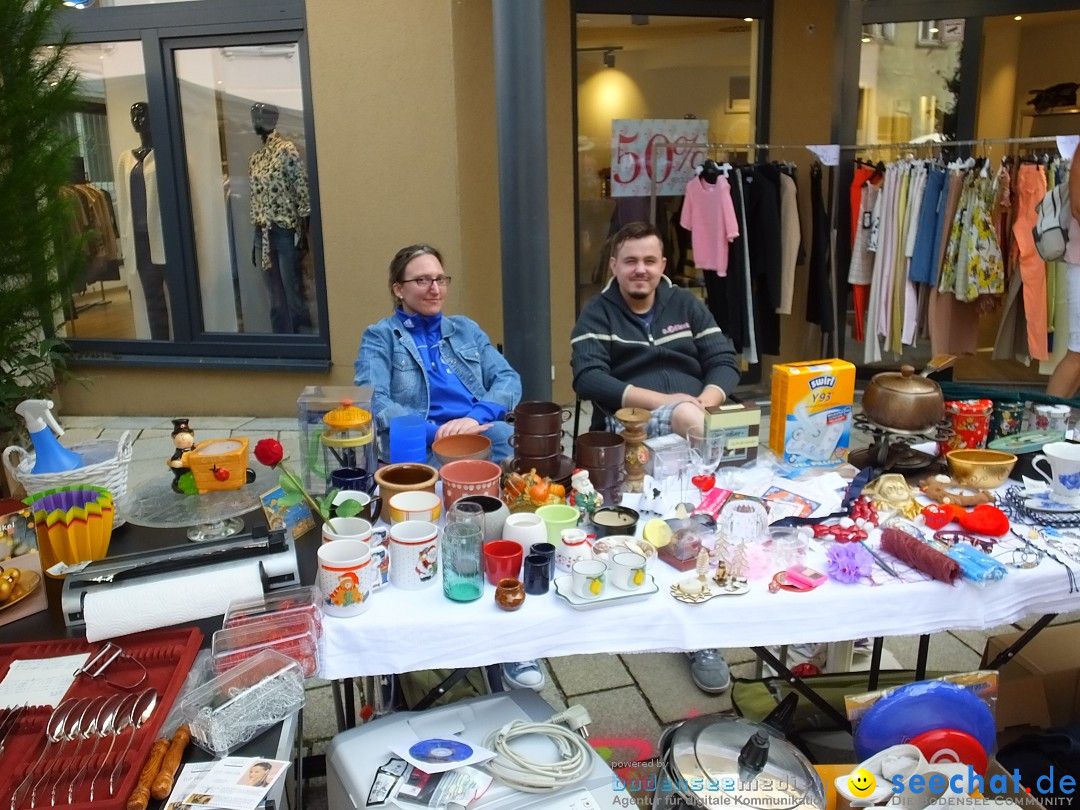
(442, 368)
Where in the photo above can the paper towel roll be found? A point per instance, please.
(172, 599)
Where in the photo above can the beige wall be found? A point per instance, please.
(996, 117)
(403, 99)
(1048, 55)
(804, 50)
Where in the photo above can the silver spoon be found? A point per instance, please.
(53, 731)
(121, 720)
(77, 721)
(140, 713)
(103, 724)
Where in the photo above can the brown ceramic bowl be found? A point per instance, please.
(537, 444)
(395, 478)
(464, 445)
(537, 417)
(983, 469)
(600, 448)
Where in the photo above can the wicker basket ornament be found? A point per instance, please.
(106, 465)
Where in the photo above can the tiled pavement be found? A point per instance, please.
(629, 697)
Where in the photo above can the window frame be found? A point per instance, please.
(163, 29)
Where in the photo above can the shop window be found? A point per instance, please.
(244, 148)
(929, 35)
(906, 92)
(196, 184)
(122, 293)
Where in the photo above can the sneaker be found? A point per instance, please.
(709, 671)
(523, 675)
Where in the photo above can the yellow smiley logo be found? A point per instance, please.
(861, 783)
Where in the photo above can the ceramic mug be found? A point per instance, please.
(347, 528)
(627, 570)
(345, 577)
(526, 528)
(414, 554)
(588, 578)
(415, 505)
(1063, 459)
(558, 516)
(370, 507)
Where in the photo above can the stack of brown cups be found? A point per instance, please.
(603, 455)
(537, 439)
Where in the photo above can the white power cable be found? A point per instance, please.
(528, 776)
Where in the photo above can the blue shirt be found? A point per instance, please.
(449, 398)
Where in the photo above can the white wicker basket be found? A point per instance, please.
(107, 466)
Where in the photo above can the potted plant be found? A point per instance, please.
(41, 251)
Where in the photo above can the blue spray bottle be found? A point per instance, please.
(50, 455)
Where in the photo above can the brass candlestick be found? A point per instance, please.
(633, 421)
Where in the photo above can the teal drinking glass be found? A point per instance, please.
(463, 563)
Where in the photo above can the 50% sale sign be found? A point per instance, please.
(655, 155)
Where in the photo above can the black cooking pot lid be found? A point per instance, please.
(704, 757)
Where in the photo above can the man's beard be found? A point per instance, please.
(639, 295)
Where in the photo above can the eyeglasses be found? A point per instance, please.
(425, 283)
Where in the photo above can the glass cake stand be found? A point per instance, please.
(212, 516)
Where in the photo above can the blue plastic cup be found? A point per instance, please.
(408, 439)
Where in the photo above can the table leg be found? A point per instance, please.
(299, 797)
(350, 702)
(1007, 655)
(339, 711)
(920, 662)
(801, 687)
(875, 663)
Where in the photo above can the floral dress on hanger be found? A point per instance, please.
(973, 265)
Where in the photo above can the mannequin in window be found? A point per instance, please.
(140, 222)
(280, 208)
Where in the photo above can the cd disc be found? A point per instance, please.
(440, 751)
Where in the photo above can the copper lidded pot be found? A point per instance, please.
(905, 401)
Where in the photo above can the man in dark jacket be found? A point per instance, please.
(645, 343)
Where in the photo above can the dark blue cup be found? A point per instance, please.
(536, 577)
(353, 478)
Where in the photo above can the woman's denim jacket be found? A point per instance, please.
(390, 363)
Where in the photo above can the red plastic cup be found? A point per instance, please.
(502, 560)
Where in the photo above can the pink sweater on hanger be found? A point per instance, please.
(709, 214)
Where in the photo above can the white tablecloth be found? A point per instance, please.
(410, 630)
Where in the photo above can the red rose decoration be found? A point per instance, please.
(269, 452)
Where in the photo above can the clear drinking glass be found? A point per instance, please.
(705, 454)
(463, 562)
(466, 512)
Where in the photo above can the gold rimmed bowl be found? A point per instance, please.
(981, 469)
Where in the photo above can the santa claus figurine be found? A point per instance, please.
(583, 494)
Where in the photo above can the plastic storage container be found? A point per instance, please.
(291, 634)
(302, 601)
(231, 709)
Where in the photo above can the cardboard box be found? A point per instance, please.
(738, 427)
(810, 417)
(1050, 660)
(1005, 786)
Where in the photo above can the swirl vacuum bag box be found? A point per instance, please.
(810, 421)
